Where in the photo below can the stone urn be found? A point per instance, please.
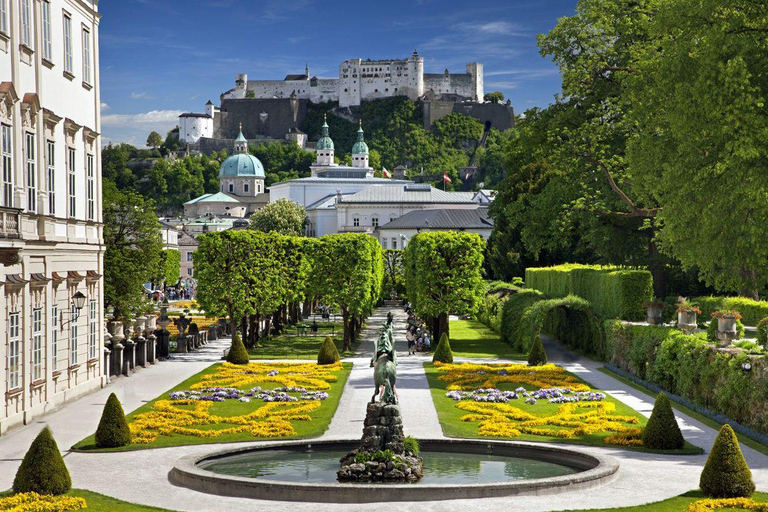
(726, 329)
(686, 321)
(654, 315)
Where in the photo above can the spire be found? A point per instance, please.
(325, 142)
(360, 136)
(325, 125)
(360, 147)
(306, 68)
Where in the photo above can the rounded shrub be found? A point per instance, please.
(537, 356)
(43, 470)
(113, 430)
(328, 353)
(726, 474)
(762, 332)
(237, 352)
(443, 353)
(662, 431)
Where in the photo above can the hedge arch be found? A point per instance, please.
(572, 320)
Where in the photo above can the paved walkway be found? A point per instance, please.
(141, 476)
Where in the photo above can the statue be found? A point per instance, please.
(384, 363)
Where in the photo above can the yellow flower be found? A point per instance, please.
(33, 502)
(737, 503)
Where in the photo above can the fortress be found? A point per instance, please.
(360, 80)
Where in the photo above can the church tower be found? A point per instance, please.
(360, 149)
(325, 146)
(241, 143)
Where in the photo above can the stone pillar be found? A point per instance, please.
(129, 354)
(211, 332)
(141, 341)
(107, 352)
(181, 344)
(116, 330)
(151, 339)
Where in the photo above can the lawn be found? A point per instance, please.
(266, 420)
(676, 504)
(473, 339)
(450, 414)
(290, 345)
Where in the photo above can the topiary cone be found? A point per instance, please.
(237, 352)
(662, 431)
(443, 353)
(43, 470)
(726, 474)
(113, 430)
(537, 356)
(328, 353)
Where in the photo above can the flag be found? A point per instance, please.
(446, 178)
(385, 172)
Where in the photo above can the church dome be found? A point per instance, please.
(325, 142)
(241, 166)
(360, 147)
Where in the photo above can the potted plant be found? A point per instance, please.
(726, 324)
(686, 315)
(655, 307)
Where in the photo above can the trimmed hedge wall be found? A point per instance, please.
(490, 308)
(752, 311)
(688, 366)
(512, 314)
(613, 292)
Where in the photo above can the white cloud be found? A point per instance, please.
(501, 85)
(153, 117)
(526, 73)
(104, 107)
(499, 28)
(141, 96)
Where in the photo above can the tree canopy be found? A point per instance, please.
(283, 216)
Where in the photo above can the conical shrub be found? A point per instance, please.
(537, 355)
(443, 353)
(43, 470)
(328, 353)
(237, 352)
(662, 431)
(113, 430)
(726, 474)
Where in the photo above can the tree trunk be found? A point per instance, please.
(750, 278)
(258, 329)
(267, 325)
(253, 331)
(442, 327)
(347, 330)
(232, 321)
(294, 313)
(307, 308)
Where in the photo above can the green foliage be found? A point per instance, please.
(328, 353)
(762, 332)
(283, 216)
(497, 96)
(537, 356)
(154, 140)
(133, 248)
(571, 320)
(113, 430)
(443, 353)
(43, 470)
(393, 274)
(662, 431)
(512, 314)
(752, 311)
(237, 353)
(490, 308)
(412, 445)
(712, 330)
(613, 292)
(726, 474)
(169, 267)
(383, 456)
(688, 366)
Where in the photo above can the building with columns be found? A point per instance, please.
(51, 245)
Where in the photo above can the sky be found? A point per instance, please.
(160, 58)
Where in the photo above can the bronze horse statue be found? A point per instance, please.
(384, 364)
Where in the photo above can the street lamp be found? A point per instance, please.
(78, 302)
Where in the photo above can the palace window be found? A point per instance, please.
(383, 243)
(68, 60)
(86, 56)
(231, 188)
(189, 271)
(245, 187)
(54, 336)
(190, 256)
(90, 188)
(51, 163)
(47, 44)
(6, 146)
(73, 336)
(31, 172)
(4, 16)
(394, 242)
(71, 182)
(37, 344)
(14, 352)
(375, 222)
(356, 221)
(26, 23)
(93, 322)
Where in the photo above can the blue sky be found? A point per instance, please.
(162, 57)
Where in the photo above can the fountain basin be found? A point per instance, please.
(505, 469)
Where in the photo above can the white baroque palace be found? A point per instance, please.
(51, 248)
(360, 80)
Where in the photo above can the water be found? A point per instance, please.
(320, 467)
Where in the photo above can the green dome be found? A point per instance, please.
(325, 141)
(241, 166)
(360, 147)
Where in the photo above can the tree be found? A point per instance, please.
(443, 352)
(443, 275)
(726, 474)
(168, 267)
(538, 355)
(133, 245)
(113, 430)
(662, 431)
(237, 353)
(43, 470)
(154, 140)
(496, 96)
(328, 354)
(283, 216)
(393, 274)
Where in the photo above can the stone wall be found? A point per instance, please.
(260, 117)
(500, 115)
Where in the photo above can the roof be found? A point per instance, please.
(296, 77)
(442, 219)
(408, 193)
(241, 165)
(371, 181)
(326, 203)
(185, 239)
(240, 136)
(360, 147)
(218, 197)
(165, 225)
(325, 142)
(192, 114)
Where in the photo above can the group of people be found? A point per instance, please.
(417, 335)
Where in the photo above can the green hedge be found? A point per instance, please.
(688, 366)
(613, 292)
(490, 309)
(752, 311)
(512, 314)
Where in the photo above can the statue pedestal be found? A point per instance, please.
(381, 456)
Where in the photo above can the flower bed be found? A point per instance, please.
(727, 503)
(33, 502)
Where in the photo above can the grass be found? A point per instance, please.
(676, 504)
(450, 417)
(748, 441)
(290, 346)
(321, 417)
(472, 339)
(100, 503)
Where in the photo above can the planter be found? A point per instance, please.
(686, 321)
(654, 315)
(726, 330)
